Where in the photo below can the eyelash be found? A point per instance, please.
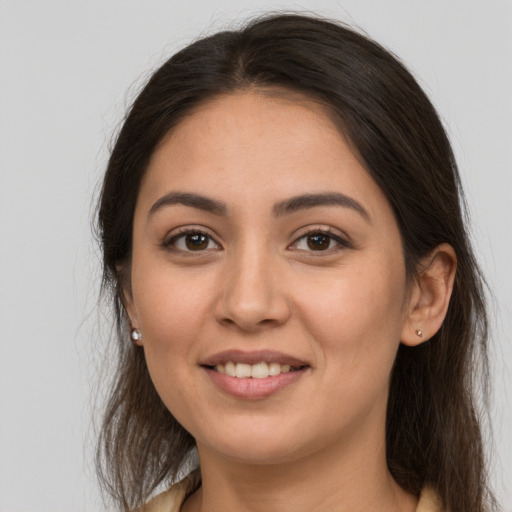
(170, 243)
(341, 243)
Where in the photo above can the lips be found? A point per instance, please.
(253, 375)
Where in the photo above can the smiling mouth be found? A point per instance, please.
(254, 375)
(260, 370)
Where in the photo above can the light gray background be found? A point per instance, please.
(65, 74)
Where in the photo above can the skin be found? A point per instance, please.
(319, 443)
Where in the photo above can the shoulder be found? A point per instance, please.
(429, 501)
(172, 499)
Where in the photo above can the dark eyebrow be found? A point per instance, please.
(188, 199)
(282, 208)
(313, 200)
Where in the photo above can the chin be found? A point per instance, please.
(258, 444)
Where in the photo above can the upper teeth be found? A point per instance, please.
(256, 371)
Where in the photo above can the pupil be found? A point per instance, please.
(196, 242)
(318, 242)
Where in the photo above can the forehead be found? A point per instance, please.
(263, 136)
(248, 119)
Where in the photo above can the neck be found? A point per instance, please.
(341, 479)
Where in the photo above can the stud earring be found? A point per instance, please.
(419, 333)
(136, 335)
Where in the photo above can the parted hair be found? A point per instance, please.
(433, 426)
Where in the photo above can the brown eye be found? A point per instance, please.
(318, 242)
(191, 241)
(196, 242)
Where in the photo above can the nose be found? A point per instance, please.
(252, 293)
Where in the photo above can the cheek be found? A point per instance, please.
(171, 308)
(170, 305)
(356, 317)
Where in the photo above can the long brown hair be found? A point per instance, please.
(433, 432)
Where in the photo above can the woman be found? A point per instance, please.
(284, 243)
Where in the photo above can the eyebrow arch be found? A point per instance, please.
(305, 201)
(286, 207)
(188, 199)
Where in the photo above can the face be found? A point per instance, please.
(267, 280)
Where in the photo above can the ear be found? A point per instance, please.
(430, 295)
(127, 300)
